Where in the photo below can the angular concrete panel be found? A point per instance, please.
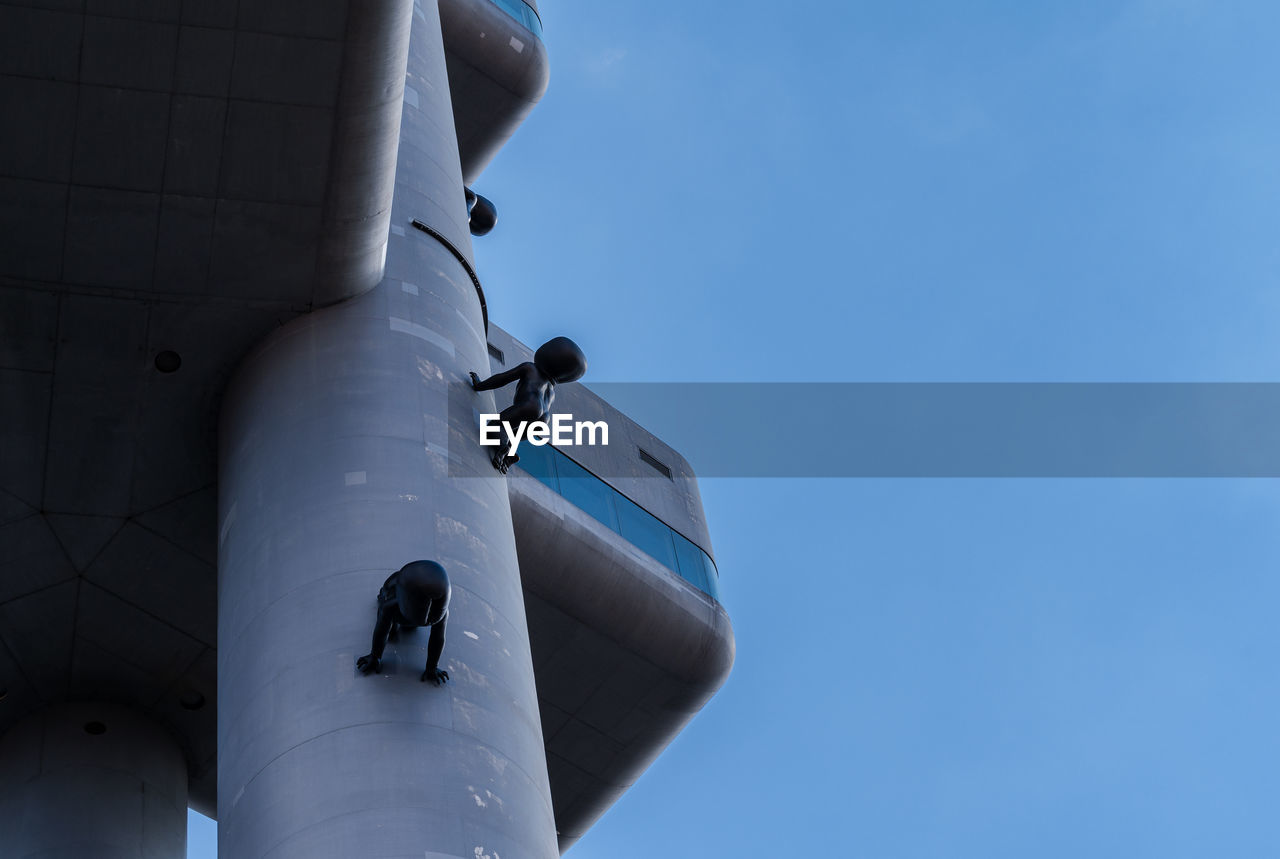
(204, 61)
(100, 355)
(111, 237)
(28, 325)
(286, 69)
(157, 577)
(210, 13)
(83, 538)
(30, 558)
(112, 626)
(24, 434)
(147, 10)
(40, 43)
(276, 153)
(193, 156)
(128, 52)
(40, 124)
(32, 217)
(38, 630)
(189, 522)
(259, 243)
(120, 138)
(184, 244)
(326, 19)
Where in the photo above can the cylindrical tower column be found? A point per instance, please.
(341, 459)
(92, 780)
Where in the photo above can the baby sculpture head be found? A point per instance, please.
(560, 360)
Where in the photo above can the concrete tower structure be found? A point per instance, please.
(240, 305)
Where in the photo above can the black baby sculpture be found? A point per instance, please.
(415, 595)
(482, 215)
(557, 361)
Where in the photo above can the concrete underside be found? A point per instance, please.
(123, 609)
(625, 652)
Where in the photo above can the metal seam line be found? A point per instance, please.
(484, 308)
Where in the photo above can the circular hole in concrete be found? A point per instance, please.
(95, 728)
(191, 700)
(168, 361)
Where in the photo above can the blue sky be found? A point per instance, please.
(911, 191)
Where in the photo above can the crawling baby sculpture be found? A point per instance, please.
(415, 595)
(557, 361)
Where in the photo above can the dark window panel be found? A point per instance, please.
(646, 531)
(692, 566)
(540, 462)
(587, 491)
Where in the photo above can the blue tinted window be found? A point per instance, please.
(540, 462)
(646, 531)
(622, 515)
(589, 492)
(691, 561)
(713, 577)
(522, 13)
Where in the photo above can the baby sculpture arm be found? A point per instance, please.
(497, 380)
(435, 646)
(371, 663)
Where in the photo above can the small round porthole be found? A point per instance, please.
(191, 700)
(95, 728)
(168, 361)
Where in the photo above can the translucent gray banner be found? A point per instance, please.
(961, 430)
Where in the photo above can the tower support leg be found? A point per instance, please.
(96, 780)
(348, 447)
(341, 460)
